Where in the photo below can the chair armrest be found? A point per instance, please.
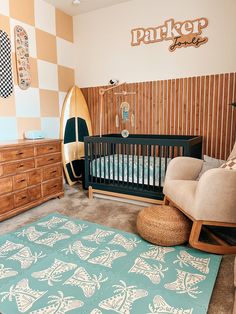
(215, 197)
(183, 168)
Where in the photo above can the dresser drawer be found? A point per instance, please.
(35, 193)
(49, 159)
(27, 196)
(6, 203)
(21, 198)
(48, 148)
(5, 185)
(52, 172)
(15, 154)
(34, 177)
(19, 166)
(52, 187)
(20, 181)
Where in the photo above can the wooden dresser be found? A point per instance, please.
(30, 174)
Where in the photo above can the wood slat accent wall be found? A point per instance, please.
(188, 106)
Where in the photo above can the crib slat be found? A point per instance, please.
(138, 165)
(172, 152)
(104, 160)
(160, 164)
(167, 152)
(96, 167)
(149, 153)
(91, 161)
(123, 165)
(118, 165)
(128, 153)
(143, 166)
(154, 168)
(133, 147)
(113, 151)
(109, 161)
(100, 159)
(178, 151)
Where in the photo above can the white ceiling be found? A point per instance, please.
(84, 6)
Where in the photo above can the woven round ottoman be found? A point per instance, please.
(163, 225)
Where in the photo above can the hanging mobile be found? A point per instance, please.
(125, 111)
(117, 121)
(132, 120)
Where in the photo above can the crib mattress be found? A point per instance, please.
(136, 169)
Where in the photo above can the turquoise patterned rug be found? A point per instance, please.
(62, 265)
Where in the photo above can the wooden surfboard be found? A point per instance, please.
(22, 57)
(75, 125)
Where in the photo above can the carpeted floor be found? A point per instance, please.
(121, 216)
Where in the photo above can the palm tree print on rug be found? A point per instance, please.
(62, 265)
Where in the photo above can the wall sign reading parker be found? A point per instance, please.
(182, 34)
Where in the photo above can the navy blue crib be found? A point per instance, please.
(135, 165)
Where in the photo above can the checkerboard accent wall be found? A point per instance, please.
(51, 50)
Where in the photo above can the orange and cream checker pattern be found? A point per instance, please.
(51, 51)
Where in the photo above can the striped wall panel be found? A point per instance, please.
(188, 106)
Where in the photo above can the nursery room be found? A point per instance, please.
(117, 156)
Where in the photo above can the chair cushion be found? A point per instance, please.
(182, 193)
(230, 164)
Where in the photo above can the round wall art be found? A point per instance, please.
(22, 57)
(6, 81)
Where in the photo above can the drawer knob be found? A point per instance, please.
(51, 159)
(53, 171)
(50, 148)
(20, 166)
(23, 180)
(55, 186)
(20, 153)
(23, 197)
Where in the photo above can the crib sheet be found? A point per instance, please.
(125, 168)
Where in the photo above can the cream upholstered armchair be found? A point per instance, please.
(211, 200)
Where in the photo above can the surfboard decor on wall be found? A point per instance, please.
(22, 57)
(6, 80)
(75, 125)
